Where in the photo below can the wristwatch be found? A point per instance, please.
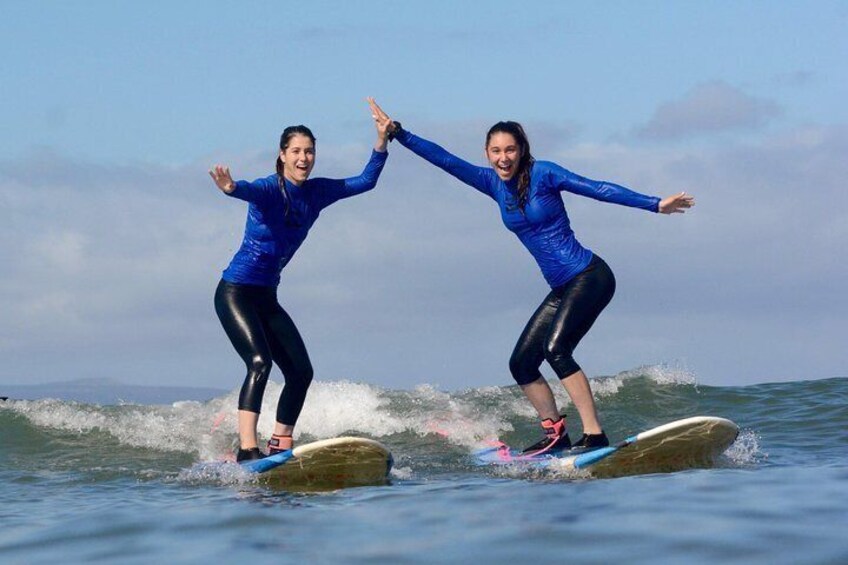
(398, 129)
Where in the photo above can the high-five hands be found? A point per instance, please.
(382, 119)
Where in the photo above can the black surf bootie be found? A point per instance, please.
(590, 442)
(250, 454)
(556, 437)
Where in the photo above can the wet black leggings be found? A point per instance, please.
(262, 332)
(560, 323)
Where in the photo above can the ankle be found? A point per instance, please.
(279, 443)
(554, 427)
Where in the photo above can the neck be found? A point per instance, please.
(291, 180)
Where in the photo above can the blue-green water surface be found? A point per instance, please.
(115, 483)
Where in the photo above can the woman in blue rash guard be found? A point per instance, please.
(282, 208)
(528, 195)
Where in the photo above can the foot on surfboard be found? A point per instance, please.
(249, 454)
(279, 443)
(590, 442)
(556, 437)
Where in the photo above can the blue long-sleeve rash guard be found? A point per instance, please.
(543, 226)
(278, 221)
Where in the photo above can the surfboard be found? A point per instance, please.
(695, 442)
(327, 464)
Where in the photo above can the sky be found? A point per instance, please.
(113, 237)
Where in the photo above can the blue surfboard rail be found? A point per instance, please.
(268, 463)
(585, 459)
(713, 436)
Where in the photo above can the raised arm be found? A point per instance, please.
(331, 190)
(472, 175)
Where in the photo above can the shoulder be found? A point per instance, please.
(543, 167)
(545, 170)
(318, 183)
(271, 182)
(551, 171)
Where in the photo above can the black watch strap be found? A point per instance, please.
(398, 129)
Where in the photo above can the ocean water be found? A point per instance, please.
(87, 482)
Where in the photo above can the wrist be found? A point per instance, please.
(395, 131)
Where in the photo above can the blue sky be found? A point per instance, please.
(113, 238)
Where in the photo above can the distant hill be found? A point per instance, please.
(108, 391)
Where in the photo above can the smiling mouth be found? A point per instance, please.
(505, 168)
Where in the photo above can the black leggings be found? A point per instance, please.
(560, 322)
(262, 332)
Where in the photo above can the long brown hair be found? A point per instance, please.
(525, 163)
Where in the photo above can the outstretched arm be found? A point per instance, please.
(257, 191)
(564, 179)
(610, 192)
(472, 175)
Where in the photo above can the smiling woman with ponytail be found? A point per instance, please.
(282, 208)
(525, 161)
(528, 193)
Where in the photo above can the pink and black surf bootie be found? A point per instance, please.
(556, 437)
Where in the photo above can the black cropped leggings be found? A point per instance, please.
(560, 322)
(262, 333)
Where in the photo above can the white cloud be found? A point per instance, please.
(709, 108)
(63, 251)
(110, 271)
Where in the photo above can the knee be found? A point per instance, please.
(306, 377)
(558, 350)
(522, 369)
(259, 368)
(303, 376)
(560, 356)
(516, 364)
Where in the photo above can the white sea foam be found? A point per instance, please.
(401, 473)
(209, 429)
(339, 407)
(745, 450)
(217, 473)
(662, 374)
